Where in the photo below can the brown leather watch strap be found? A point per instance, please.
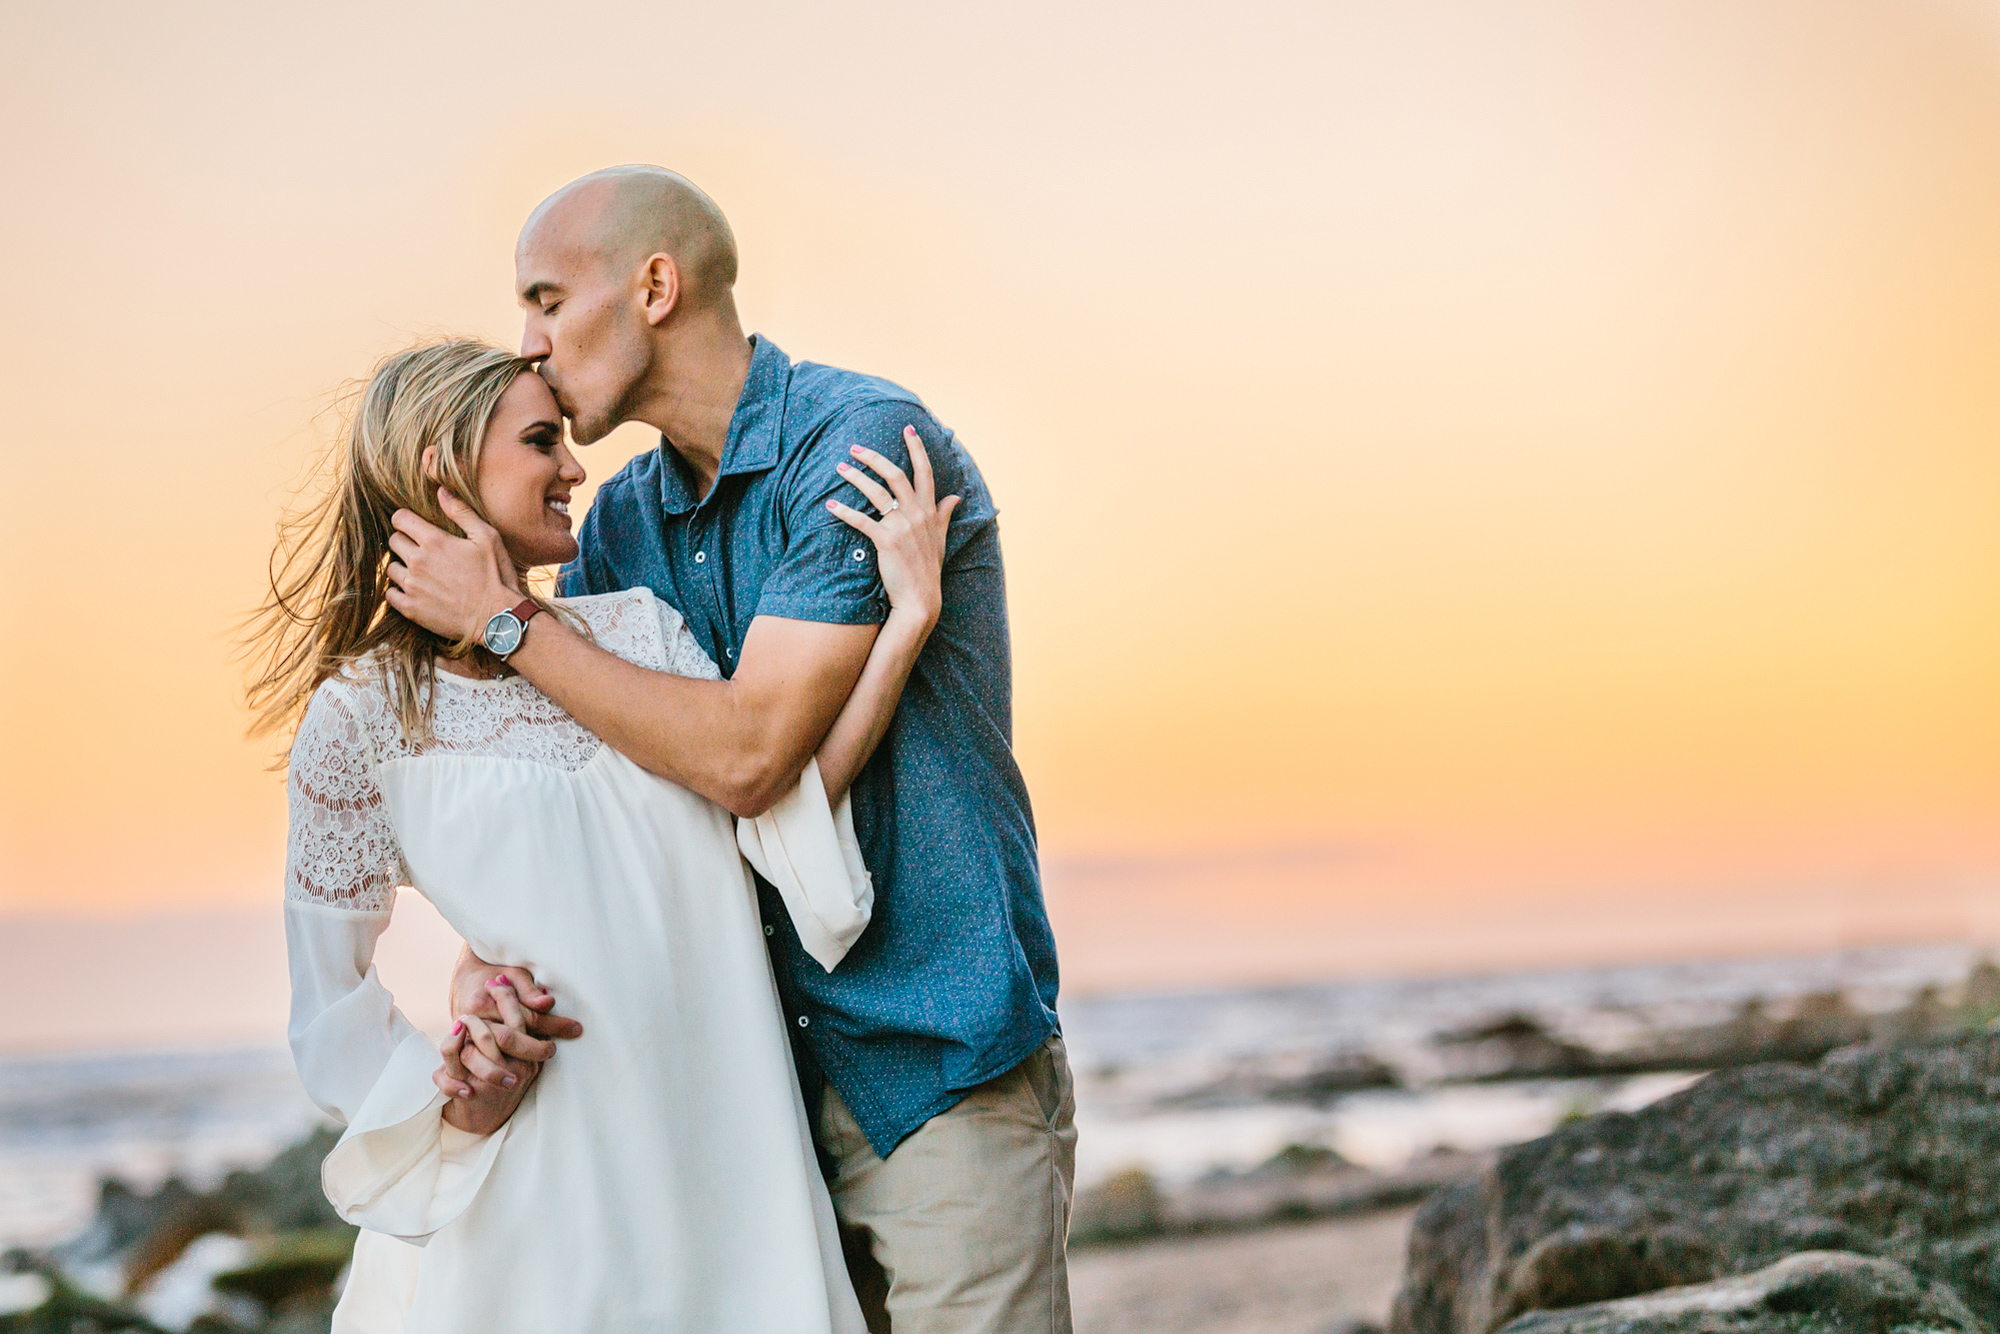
(527, 610)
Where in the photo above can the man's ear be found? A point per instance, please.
(429, 463)
(662, 280)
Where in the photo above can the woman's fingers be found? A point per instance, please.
(507, 1001)
(521, 1045)
(898, 481)
(532, 993)
(558, 1026)
(877, 495)
(482, 1055)
(853, 518)
(920, 465)
(488, 1072)
(452, 1077)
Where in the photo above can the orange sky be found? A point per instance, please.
(1526, 453)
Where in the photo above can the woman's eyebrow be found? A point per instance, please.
(537, 428)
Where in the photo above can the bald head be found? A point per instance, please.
(621, 215)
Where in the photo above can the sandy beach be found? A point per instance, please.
(1304, 1279)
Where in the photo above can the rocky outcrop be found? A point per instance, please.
(1892, 1152)
(145, 1232)
(1297, 1184)
(299, 1248)
(1808, 1293)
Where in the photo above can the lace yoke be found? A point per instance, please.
(342, 850)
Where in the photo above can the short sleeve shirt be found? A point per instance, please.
(954, 981)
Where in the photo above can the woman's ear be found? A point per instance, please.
(429, 463)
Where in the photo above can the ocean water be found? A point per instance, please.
(66, 1120)
(1154, 1071)
(1165, 1081)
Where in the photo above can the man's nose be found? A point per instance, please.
(534, 344)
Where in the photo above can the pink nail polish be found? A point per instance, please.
(458, 1028)
(855, 450)
(508, 1081)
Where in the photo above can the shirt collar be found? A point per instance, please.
(756, 430)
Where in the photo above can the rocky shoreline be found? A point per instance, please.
(1881, 1163)
(293, 1250)
(1840, 1161)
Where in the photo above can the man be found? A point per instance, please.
(930, 1057)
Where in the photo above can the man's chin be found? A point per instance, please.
(588, 430)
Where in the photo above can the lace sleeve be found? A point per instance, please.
(342, 851)
(683, 652)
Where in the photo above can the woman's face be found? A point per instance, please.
(526, 472)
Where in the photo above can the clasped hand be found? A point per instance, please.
(503, 1034)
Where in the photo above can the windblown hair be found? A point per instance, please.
(326, 612)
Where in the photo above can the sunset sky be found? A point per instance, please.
(1482, 482)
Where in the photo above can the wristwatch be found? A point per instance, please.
(503, 632)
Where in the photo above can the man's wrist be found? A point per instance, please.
(501, 630)
(535, 635)
(496, 600)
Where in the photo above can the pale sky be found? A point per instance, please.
(1480, 455)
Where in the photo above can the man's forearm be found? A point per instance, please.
(690, 732)
(740, 743)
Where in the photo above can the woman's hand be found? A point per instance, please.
(909, 530)
(482, 1079)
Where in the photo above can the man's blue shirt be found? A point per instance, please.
(954, 981)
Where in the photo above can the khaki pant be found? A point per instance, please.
(964, 1229)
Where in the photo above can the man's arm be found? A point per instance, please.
(741, 743)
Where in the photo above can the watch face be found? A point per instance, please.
(503, 634)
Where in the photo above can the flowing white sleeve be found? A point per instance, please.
(398, 1168)
(810, 854)
(806, 849)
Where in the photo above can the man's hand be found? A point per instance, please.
(450, 585)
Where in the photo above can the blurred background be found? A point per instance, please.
(1499, 501)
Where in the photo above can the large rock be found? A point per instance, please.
(1883, 1151)
(1803, 1294)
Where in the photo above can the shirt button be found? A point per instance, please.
(804, 1022)
(859, 555)
(770, 930)
(700, 556)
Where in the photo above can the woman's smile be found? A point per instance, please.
(526, 474)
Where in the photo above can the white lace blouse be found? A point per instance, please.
(629, 899)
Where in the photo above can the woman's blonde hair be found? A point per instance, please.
(326, 611)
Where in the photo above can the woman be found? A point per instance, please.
(660, 1174)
